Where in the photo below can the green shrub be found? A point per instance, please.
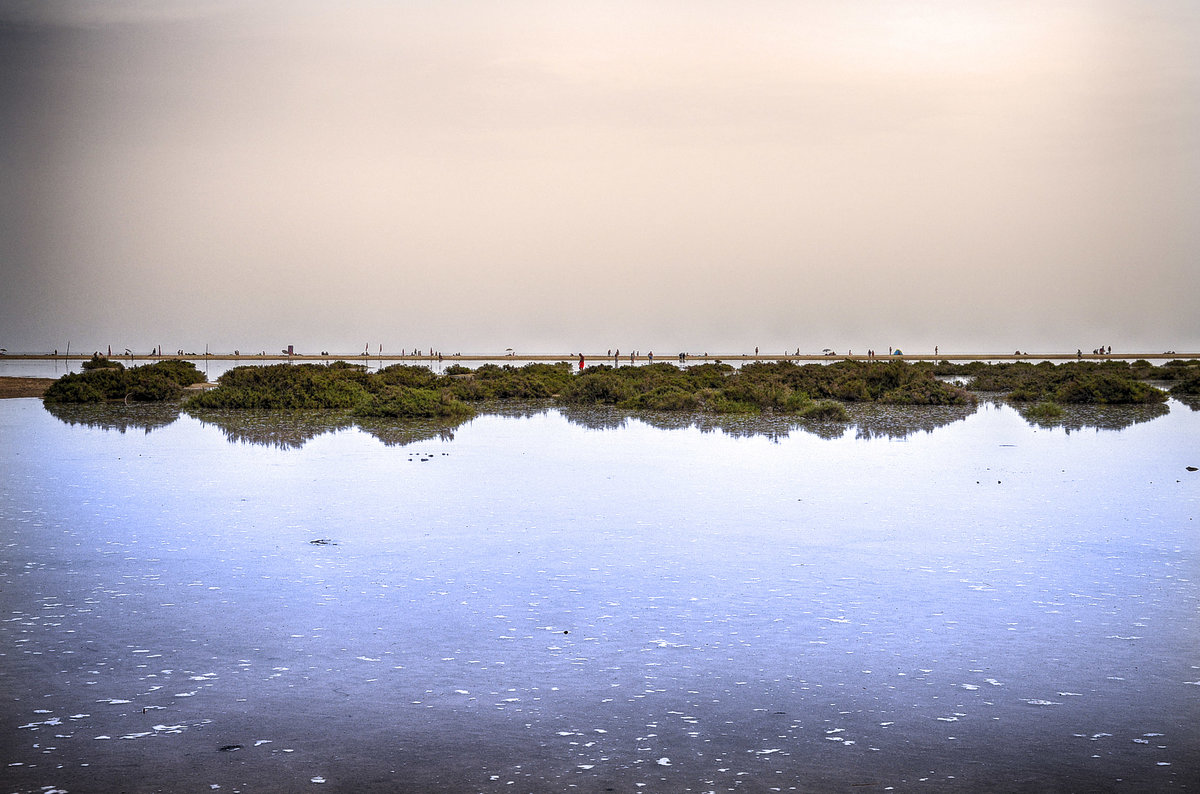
(292, 386)
(99, 362)
(406, 375)
(401, 402)
(73, 389)
(163, 380)
(1188, 385)
(1106, 389)
(182, 372)
(597, 385)
(665, 398)
(146, 385)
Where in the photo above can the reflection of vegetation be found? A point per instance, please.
(101, 382)
(280, 429)
(400, 434)
(294, 429)
(1045, 411)
(898, 422)
(871, 421)
(826, 410)
(1188, 400)
(1097, 417)
(598, 417)
(109, 416)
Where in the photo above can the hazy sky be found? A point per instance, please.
(983, 175)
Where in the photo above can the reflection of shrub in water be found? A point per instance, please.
(1045, 411)
(1097, 417)
(270, 428)
(595, 417)
(897, 422)
(736, 425)
(116, 416)
(826, 411)
(401, 434)
(1188, 400)
(294, 429)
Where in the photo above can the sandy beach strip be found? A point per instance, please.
(24, 387)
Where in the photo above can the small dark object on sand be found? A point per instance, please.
(322, 542)
(1191, 468)
(229, 748)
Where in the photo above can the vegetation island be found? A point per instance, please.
(806, 391)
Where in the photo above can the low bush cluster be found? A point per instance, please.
(100, 362)
(1188, 385)
(162, 380)
(1089, 382)
(817, 391)
(399, 391)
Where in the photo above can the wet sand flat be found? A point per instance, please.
(24, 387)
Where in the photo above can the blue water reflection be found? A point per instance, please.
(921, 599)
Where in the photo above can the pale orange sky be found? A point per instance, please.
(979, 175)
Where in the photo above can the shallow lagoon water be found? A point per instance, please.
(545, 600)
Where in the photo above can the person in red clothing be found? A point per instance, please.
(581, 362)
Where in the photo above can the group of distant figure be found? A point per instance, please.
(615, 355)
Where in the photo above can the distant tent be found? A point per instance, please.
(898, 352)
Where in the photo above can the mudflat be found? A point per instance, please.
(24, 387)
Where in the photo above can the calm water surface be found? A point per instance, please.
(544, 600)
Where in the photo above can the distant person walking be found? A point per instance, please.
(581, 362)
